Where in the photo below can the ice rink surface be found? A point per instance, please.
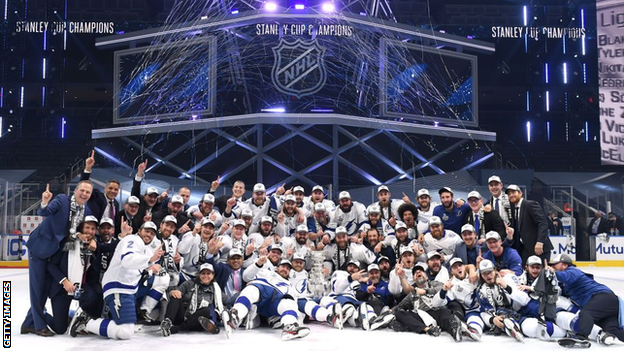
(321, 338)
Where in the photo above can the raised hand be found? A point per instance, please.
(392, 221)
(90, 161)
(157, 254)
(231, 202)
(141, 168)
(250, 248)
(262, 260)
(46, 196)
(215, 184)
(406, 199)
(185, 228)
(281, 190)
(448, 285)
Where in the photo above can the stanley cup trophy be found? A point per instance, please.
(318, 284)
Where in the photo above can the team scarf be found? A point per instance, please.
(76, 215)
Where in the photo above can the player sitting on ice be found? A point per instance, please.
(272, 295)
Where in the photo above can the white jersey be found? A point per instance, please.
(383, 227)
(124, 272)
(350, 220)
(214, 213)
(299, 282)
(257, 211)
(387, 212)
(253, 270)
(394, 284)
(340, 285)
(339, 258)
(445, 245)
(193, 252)
(271, 279)
(462, 292)
(230, 243)
(330, 206)
(423, 218)
(286, 229)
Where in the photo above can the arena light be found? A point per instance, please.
(274, 110)
(524, 13)
(234, 11)
(63, 123)
(270, 6)
(528, 127)
(299, 6)
(586, 131)
(548, 130)
(547, 101)
(330, 7)
(22, 97)
(0, 127)
(565, 73)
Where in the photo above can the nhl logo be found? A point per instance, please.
(299, 67)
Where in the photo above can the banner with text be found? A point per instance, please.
(611, 79)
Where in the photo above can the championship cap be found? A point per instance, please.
(354, 262)
(91, 219)
(133, 200)
(382, 188)
(420, 265)
(435, 220)
(492, 235)
(265, 219)
(383, 258)
(302, 228)
(534, 260)
(372, 267)
(486, 266)
(455, 260)
(400, 225)
(207, 220)
(445, 189)
(209, 198)
(149, 225)
(177, 199)
(298, 189)
(494, 178)
(170, 218)
(512, 187)
(467, 227)
(344, 195)
(562, 258)
(246, 213)
(235, 252)
(374, 209)
(319, 207)
(432, 254)
(108, 221)
(277, 246)
(298, 256)
(151, 190)
(317, 187)
(207, 266)
(259, 188)
(237, 222)
(422, 192)
(405, 249)
(285, 261)
(290, 197)
(341, 230)
(474, 194)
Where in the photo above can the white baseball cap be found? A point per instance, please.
(374, 209)
(207, 220)
(341, 230)
(298, 256)
(298, 188)
(512, 187)
(420, 265)
(108, 221)
(467, 227)
(319, 207)
(277, 246)
(207, 266)
(149, 225)
(91, 219)
(302, 228)
(344, 195)
(474, 194)
(235, 252)
(265, 219)
(177, 199)
(494, 178)
(290, 197)
(492, 235)
(237, 222)
(246, 213)
(432, 254)
(317, 187)
(170, 218)
(209, 198)
(435, 220)
(382, 188)
(405, 249)
(133, 200)
(354, 262)
(455, 260)
(400, 225)
(534, 260)
(486, 266)
(285, 261)
(151, 190)
(445, 189)
(259, 188)
(372, 267)
(422, 192)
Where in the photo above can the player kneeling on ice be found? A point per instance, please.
(192, 304)
(120, 284)
(271, 294)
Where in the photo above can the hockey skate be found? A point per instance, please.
(165, 327)
(335, 318)
(381, 321)
(251, 320)
(275, 322)
(434, 331)
(573, 342)
(513, 329)
(347, 312)
(607, 339)
(456, 328)
(363, 316)
(77, 313)
(230, 321)
(79, 324)
(293, 331)
(470, 332)
(208, 325)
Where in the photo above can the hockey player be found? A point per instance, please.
(435, 270)
(337, 255)
(289, 218)
(350, 214)
(194, 248)
(417, 313)
(425, 209)
(236, 240)
(440, 240)
(299, 243)
(499, 299)
(503, 257)
(205, 209)
(374, 242)
(408, 214)
(402, 271)
(120, 284)
(318, 197)
(320, 224)
(401, 239)
(272, 294)
(171, 258)
(193, 305)
(374, 220)
(375, 293)
(267, 261)
(389, 207)
(452, 214)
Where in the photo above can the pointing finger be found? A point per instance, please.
(92, 153)
(48, 187)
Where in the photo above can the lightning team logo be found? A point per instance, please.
(299, 67)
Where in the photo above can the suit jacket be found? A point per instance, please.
(221, 201)
(136, 191)
(223, 272)
(98, 201)
(603, 226)
(532, 226)
(45, 240)
(157, 218)
(58, 270)
(136, 222)
(491, 220)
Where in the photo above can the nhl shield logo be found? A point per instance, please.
(299, 67)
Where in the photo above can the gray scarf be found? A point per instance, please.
(76, 215)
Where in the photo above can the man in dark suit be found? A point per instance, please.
(102, 205)
(175, 209)
(149, 201)
(481, 220)
(63, 215)
(129, 215)
(238, 190)
(598, 224)
(530, 226)
(555, 226)
(229, 275)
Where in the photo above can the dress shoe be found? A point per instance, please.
(27, 330)
(44, 332)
